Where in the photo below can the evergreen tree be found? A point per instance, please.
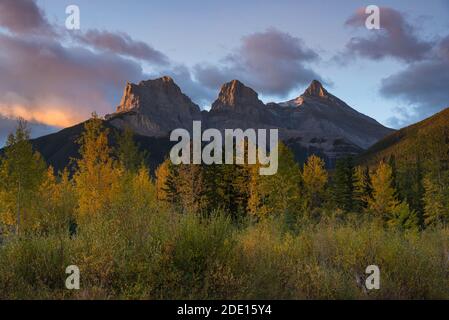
(394, 176)
(436, 204)
(190, 188)
(343, 185)
(22, 171)
(166, 175)
(127, 151)
(362, 188)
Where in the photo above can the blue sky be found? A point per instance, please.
(213, 39)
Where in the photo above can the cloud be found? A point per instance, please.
(396, 39)
(23, 17)
(422, 86)
(44, 81)
(184, 78)
(420, 89)
(443, 50)
(121, 43)
(272, 62)
(8, 126)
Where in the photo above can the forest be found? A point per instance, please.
(222, 231)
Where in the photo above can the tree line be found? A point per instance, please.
(33, 198)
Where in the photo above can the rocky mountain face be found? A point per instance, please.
(154, 108)
(316, 122)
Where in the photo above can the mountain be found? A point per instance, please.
(317, 113)
(416, 139)
(154, 108)
(58, 149)
(314, 123)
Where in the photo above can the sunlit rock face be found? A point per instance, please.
(155, 108)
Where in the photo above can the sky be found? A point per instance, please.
(55, 77)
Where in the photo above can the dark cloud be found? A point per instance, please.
(443, 50)
(121, 43)
(396, 38)
(23, 17)
(272, 62)
(422, 86)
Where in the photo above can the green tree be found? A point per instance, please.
(436, 201)
(21, 173)
(128, 152)
(402, 217)
(343, 185)
(362, 188)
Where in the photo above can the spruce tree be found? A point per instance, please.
(343, 185)
(22, 171)
(362, 188)
(127, 151)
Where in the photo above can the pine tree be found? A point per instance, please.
(362, 188)
(21, 173)
(166, 175)
(190, 188)
(343, 185)
(127, 151)
(436, 204)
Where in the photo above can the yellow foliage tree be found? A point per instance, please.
(57, 203)
(315, 179)
(97, 176)
(275, 194)
(384, 200)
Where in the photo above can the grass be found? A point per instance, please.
(163, 255)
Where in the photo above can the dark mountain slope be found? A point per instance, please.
(417, 138)
(59, 148)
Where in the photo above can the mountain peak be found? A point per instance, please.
(162, 82)
(235, 94)
(316, 89)
(158, 106)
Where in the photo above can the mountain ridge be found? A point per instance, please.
(238, 106)
(319, 123)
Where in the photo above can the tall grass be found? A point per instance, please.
(156, 254)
